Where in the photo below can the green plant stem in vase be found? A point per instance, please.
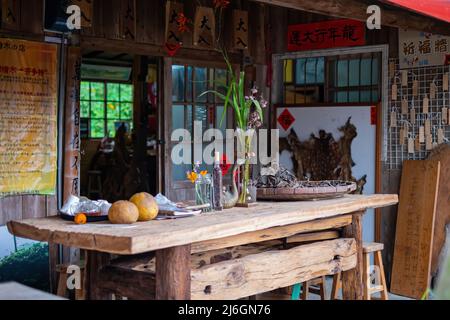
(248, 113)
(245, 141)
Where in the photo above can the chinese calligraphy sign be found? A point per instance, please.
(174, 34)
(86, 7)
(204, 27)
(9, 14)
(419, 49)
(129, 19)
(240, 29)
(326, 34)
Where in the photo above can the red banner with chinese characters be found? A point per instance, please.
(326, 34)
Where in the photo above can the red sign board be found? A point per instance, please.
(326, 34)
(286, 119)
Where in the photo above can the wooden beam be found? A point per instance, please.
(357, 10)
(272, 234)
(313, 236)
(272, 270)
(134, 48)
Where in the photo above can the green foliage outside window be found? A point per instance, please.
(104, 104)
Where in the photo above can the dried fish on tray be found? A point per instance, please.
(284, 186)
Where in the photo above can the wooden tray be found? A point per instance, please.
(313, 192)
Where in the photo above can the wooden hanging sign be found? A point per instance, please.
(421, 134)
(433, 90)
(204, 28)
(426, 105)
(128, 16)
(240, 29)
(412, 116)
(394, 91)
(174, 34)
(445, 82)
(404, 106)
(404, 78)
(10, 14)
(86, 7)
(415, 88)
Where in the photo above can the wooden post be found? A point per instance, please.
(95, 261)
(72, 139)
(173, 273)
(352, 280)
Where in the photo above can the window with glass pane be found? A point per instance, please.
(106, 106)
(334, 79)
(189, 105)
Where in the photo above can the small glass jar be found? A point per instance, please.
(203, 191)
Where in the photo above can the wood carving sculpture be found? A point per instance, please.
(324, 158)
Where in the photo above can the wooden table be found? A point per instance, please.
(16, 291)
(174, 241)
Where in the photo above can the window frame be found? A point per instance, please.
(330, 86)
(182, 184)
(105, 102)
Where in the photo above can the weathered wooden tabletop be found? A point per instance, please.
(154, 235)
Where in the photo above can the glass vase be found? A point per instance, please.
(203, 192)
(245, 139)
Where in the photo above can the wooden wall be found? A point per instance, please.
(111, 20)
(26, 24)
(387, 35)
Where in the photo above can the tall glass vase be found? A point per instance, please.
(245, 154)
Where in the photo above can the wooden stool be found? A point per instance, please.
(315, 286)
(381, 287)
(95, 184)
(62, 290)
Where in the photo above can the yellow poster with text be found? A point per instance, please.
(28, 117)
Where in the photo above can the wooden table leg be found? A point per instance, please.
(95, 261)
(352, 280)
(173, 273)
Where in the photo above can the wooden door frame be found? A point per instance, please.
(381, 129)
(166, 122)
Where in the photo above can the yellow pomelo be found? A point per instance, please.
(147, 206)
(123, 212)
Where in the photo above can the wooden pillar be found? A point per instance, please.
(72, 141)
(352, 280)
(95, 261)
(173, 273)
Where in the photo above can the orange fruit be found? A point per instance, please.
(80, 218)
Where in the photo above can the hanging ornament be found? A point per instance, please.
(221, 4)
(183, 23)
(172, 49)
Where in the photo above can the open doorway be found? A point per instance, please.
(119, 125)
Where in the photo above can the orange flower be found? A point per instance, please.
(192, 176)
(80, 218)
(204, 173)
